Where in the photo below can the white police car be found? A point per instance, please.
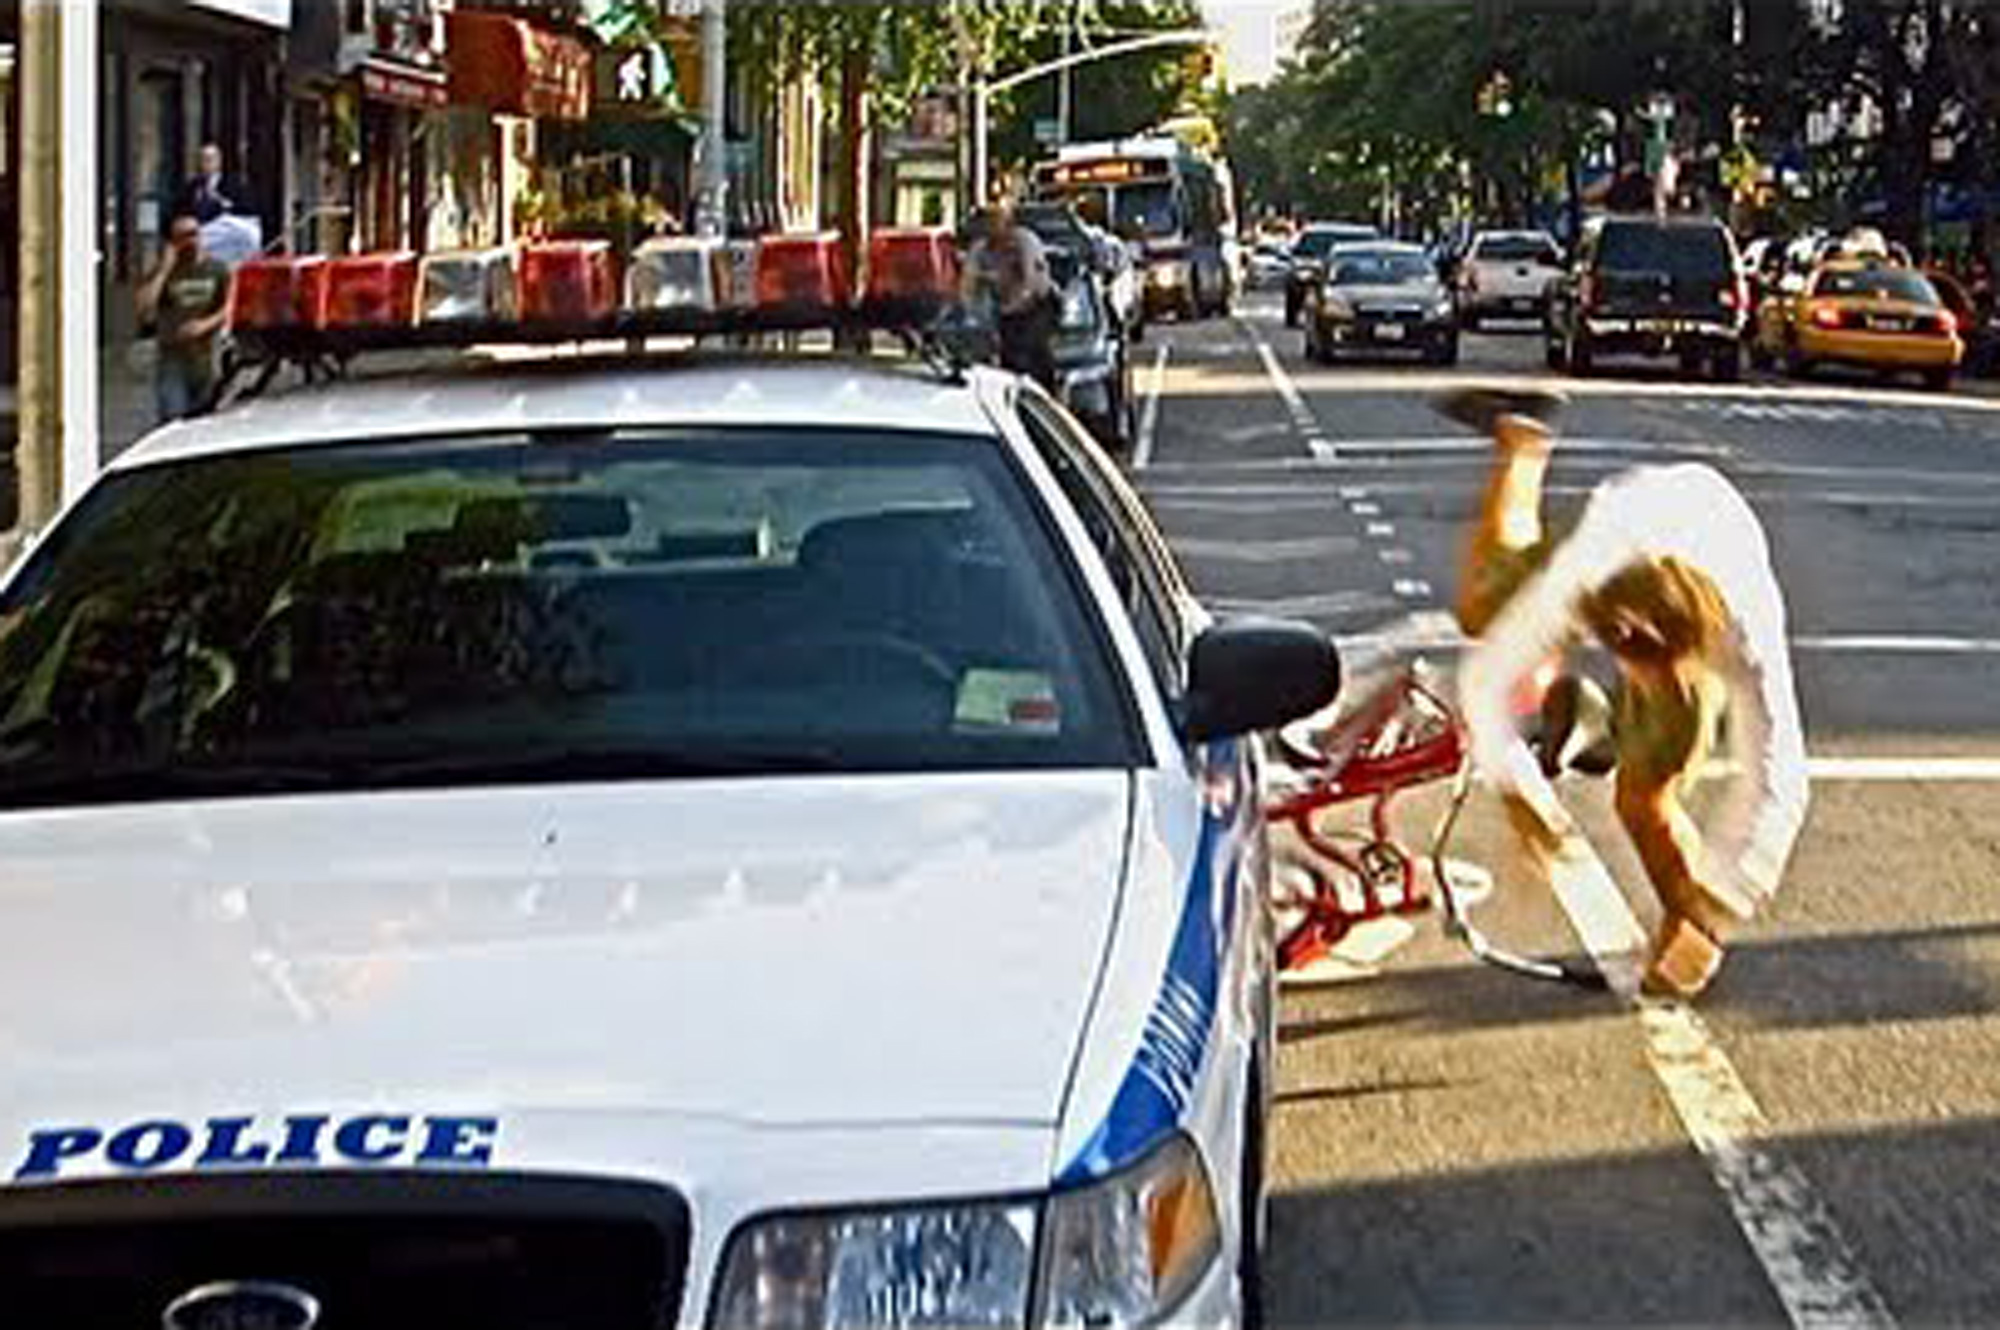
(739, 843)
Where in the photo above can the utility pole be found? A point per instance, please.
(712, 211)
(1063, 93)
(56, 450)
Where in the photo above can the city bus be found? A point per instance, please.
(1174, 205)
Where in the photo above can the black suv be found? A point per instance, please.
(1650, 287)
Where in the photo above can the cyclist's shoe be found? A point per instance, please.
(1685, 958)
(1478, 407)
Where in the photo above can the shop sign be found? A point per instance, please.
(384, 82)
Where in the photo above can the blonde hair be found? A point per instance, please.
(1660, 609)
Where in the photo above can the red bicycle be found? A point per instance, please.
(1400, 736)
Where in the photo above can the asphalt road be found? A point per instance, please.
(1462, 1146)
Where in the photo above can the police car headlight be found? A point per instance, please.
(1174, 273)
(966, 1265)
(1444, 309)
(1128, 1250)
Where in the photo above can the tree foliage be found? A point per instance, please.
(1406, 85)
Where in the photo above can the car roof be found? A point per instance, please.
(1682, 221)
(1378, 247)
(557, 393)
(1524, 233)
(1321, 228)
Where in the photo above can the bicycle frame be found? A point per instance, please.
(1401, 736)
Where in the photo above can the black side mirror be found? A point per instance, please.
(1257, 674)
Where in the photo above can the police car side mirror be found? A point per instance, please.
(1253, 674)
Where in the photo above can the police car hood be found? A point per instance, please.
(805, 951)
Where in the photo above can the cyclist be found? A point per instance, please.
(1668, 568)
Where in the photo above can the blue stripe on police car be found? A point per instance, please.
(368, 1139)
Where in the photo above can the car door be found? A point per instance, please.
(1220, 780)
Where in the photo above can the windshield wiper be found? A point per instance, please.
(572, 764)
(158, 781)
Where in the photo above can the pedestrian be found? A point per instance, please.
(1669, 570)
(1009, 267)
(214, 193)
(186, 299)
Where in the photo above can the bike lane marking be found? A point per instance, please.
(1793, 1234)
(1358, 499)
(1149, 415)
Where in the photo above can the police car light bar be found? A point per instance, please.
(572, 290)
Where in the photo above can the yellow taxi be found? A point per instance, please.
(1867, 313)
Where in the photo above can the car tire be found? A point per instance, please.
(1938, 380)
(1726, 366)
(1796, 365)
(1254, 1220)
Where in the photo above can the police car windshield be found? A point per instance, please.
(602, 606)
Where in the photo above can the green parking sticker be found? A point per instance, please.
(1018, 701)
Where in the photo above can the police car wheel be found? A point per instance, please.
(1255, 1216)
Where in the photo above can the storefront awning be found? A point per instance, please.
(400, 85)
(504, 64)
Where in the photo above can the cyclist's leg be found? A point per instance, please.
(1509, 542)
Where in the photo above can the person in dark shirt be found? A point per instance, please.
(187, 298)
(213, 192)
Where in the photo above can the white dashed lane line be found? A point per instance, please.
(1149, 418)
(1805, 1256)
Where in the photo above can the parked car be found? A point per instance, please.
(1269, 263)
(1976, 326)
(1648, 286)
(1308, 252)
(1864, 313)
(1093, 359)
(1377, 297)
(1507, 273)
(491, 840)
(1060, 226)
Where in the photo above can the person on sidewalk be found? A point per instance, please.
(1669, 570)
(1010, 267)
(213, 192)
(186, 299)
